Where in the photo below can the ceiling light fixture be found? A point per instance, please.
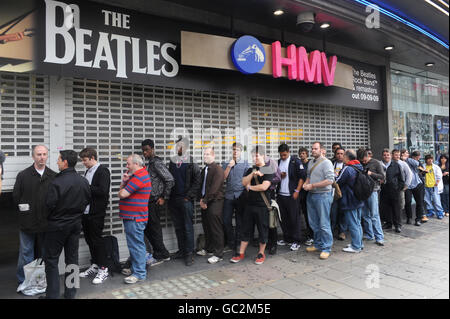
(429, 64)
(389, 47)
(278, 12)
(325, 25)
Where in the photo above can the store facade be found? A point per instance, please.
(109, 78)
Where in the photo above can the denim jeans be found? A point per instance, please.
(182, 215)
(433, 201)
(28, 242)
(319, 208)
(371, 219)
(353, 218)
(337, 218)
(134, 232)
(444, 198)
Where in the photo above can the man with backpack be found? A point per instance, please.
(288, 197)
(350, 204)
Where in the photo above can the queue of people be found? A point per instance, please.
(351, 193)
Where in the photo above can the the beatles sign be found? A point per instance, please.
(103, 41)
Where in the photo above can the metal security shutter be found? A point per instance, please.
(24, 109)
(298, 124)
(114, 118)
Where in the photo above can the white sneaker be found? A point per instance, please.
(201, 252)
(281, 243)
(295, 246)
(309, 242)
(91, 271)
(132, 279)
(101, 276)
(214, 260)
(350, 249)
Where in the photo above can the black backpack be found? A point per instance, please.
(112, 254)
(364, 185)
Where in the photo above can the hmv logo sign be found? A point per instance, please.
(249, 56)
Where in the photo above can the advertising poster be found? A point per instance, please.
(398, 127)
(419, 132)
(440, 135)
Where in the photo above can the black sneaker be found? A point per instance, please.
(178, 255)
(189, 260)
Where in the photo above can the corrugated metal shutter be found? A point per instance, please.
(24, 109)
(298, 124)
(115, 117)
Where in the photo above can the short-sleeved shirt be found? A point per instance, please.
(430, 179)
(234, 180)
(255, 198)
(135, 206)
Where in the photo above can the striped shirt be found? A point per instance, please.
(135, 206)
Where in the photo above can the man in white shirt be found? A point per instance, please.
(93, 221)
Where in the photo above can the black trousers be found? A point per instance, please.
(290, 218)
(54, 242)
(212, 222)
(390, 206)
(153, 231)
(93, 234)
(418, 193)
(309, 232)
(234, 207)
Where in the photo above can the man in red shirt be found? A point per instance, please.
(134, 195)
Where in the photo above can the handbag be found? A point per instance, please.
(274, 211)
(337, 191)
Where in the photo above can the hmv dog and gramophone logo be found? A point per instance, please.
(248, 55)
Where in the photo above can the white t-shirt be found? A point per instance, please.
(41, 172)
(284, 186)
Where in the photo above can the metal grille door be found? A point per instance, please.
(24, 110)
(114, 118)
(296, 124)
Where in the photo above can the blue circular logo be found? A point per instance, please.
(439, 125)
(248, 54)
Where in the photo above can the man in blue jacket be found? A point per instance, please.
(350, 205)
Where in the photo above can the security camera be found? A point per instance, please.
(305, 21)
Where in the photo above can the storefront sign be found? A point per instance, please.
(90, 39)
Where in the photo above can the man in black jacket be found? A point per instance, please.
(292, 179)
(93, 220)
(162, 183)
(181, 204)
(30, 191)
(67, 198)
(390, 192)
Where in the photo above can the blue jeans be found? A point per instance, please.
(319, 208)
(337, 217)
(433, 202)
(444, 198)
(134, 232)
(26, 252)
(371, 219)
(353, 219)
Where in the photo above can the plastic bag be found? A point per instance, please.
(35, 282)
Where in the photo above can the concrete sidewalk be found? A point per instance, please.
(413, 264)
